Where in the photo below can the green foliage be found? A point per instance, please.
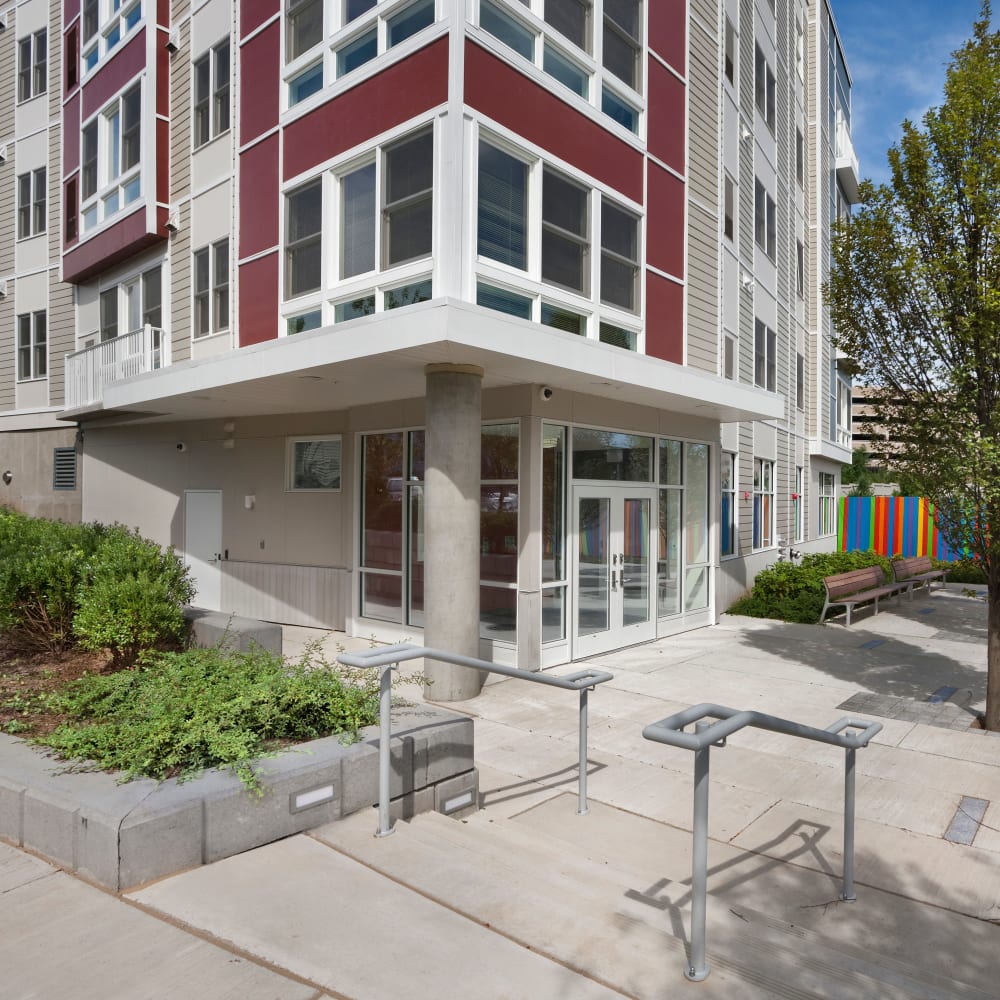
(962, 570)
(43, 565)
(132, 597)
(794, 593)
(178, 713)
(857, 473)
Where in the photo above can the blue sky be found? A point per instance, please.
(897, 51)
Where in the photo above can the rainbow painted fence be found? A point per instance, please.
(891, 526)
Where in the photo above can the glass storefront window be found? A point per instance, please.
(611, 455)
(553, 502)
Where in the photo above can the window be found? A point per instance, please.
(619, 257)
(72, 210)
(304, 239)
(408, 22)
(72, 57)
(111, 159)
(729, 218)
(105, 24)
(211, 94)
(800, 382)
(570, 18)
(32, 65)
(32, 346)
(729, 357)
(313, 463)
(131, 304)
(730, 52)
(800, 269)
(800, 157)
(211, 289)
(617, 336)
(31, 203)
(765, 347)
(763, 503)
(827, 503)
(311, 320)
(800, 51)
(503, 300)
(64, 468)
(765, 225)
(357, 222)
(798, 499)
(565, 233)
(727, 519)
(563, 319)
(303, 27)
(764, 88)
(407, 218)
(621, 45)
(508, 29)
(503, 207)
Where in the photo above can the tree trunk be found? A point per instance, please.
(993, 651)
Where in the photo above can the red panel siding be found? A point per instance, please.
(665, 222)
(668, 32)
(665, 117)
(259, 197)
(70, 9)
(162, 161)
(120, 241)
(664, 319)
(497, 90)
(260, 62)
(114, 74)
(259, 300)
(71, 134)
(390, 98)
(253, 13)
(162, 17)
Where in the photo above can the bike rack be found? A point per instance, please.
(707, 735)
(389, 657)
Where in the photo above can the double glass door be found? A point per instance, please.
(615, 573)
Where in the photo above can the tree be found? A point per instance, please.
(857, 473)
(915, 299)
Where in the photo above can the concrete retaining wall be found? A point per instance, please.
(120, 835)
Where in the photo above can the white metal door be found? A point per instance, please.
(203, 545)
(613, 593)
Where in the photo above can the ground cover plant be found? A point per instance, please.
(793, 592)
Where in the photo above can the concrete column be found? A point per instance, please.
(451, 526)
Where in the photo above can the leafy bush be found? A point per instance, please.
(179, 713)
(794, 593)
(43, 565)
(132, 597)
(962, 570)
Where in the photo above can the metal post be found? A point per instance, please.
(697, 969)
(384, 738)
(847, 893)
(581, 808)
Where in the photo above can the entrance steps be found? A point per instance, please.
(606, 895)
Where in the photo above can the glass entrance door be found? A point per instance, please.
(613, 577)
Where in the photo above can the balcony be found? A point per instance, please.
(846, 161)
(90, 370)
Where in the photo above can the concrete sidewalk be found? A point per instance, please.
(527, 899)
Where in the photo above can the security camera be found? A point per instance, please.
(546, 393)
(181, 446)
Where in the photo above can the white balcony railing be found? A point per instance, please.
(90, 370)
(848, 172)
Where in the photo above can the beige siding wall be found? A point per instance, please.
(180, 187)
(7, 213)
(704, 165)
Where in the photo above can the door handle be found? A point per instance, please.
(614, 585)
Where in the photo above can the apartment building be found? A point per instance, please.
(495, 324)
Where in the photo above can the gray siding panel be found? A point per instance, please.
(314, 596)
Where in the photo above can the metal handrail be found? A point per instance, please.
(391, 656)
(707, 735)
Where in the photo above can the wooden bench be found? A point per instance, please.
(916, 570)
(856, 587)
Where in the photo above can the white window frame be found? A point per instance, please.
(211, 112)
(119, 186)
(554, 56)
(32, 65)
(33, 351)
(116, 21)
(763, 486)
(212, 300)
(765, 361)
(827, 503)
(765, 221)
(336, 443)
(31, 203)
(765, 88)
(798, 504)
(732, 460)
(120, 287)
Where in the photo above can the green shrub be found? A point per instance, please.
(132, 597)
(794, 592)
(962, 570)
(178, 713)
(43, 565)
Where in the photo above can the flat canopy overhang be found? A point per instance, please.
(382, 358)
